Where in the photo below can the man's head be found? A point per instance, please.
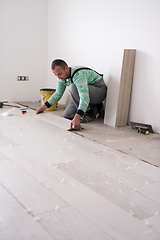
(60, 69)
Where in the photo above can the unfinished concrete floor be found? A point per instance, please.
(100, 183)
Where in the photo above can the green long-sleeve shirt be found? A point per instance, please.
(81, 79)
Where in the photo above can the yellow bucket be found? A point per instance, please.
(46, 93)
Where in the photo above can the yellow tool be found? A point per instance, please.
(142, 131)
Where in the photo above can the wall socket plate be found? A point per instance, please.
(22, 78)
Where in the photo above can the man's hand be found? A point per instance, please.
(75, 123)
(41, 109)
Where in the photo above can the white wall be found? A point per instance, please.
(23, 48)
(84, 32)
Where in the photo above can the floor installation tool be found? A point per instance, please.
(73, 129)
(8, 105)
(142, 128)
(24, 110)
(139, 130)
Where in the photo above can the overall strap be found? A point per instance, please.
(83, 68)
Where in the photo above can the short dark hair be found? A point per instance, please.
(58, 62)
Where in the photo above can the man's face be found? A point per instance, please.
(61, 73)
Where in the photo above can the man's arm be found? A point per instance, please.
(82, 87)
(54, 98)
(61, 86)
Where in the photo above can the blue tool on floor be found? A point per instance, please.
(142, 128)
(142, 131)
(24, 109)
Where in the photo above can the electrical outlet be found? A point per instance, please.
(22, 78)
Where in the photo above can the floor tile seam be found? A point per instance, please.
(150, 224)
(151, 183)
(110, 150)
(76, 209)
(147, 184)
(146, 197)
(39, 105)
(148, 216)
(76, 134)
(91, 221)
(69, 205)
(117, 181)
(15, 142)
(88, 186)
(85, 216)
(134, 170)
(22, 169)
(140, 162)
(131, 233)
(29, 149)
(127, 154)
(108, 176)
(44, 120)
(32, 176)
(12, 195)
(53, 121)
(120, 135)
(4, 159)
(151, 199)
(101, 196)
(114, 202)
(37, 219)
(145, 161)
(145, 165)
(152, 230)
(36, 180)
(117, 150)
(149, 177)
(34, 216)
(124, 185)
(55, 194)
(137, 234)
(102, 229)
(27, 171)
(54, 210)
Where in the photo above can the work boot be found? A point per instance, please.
(88, 116)
(100, 110)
